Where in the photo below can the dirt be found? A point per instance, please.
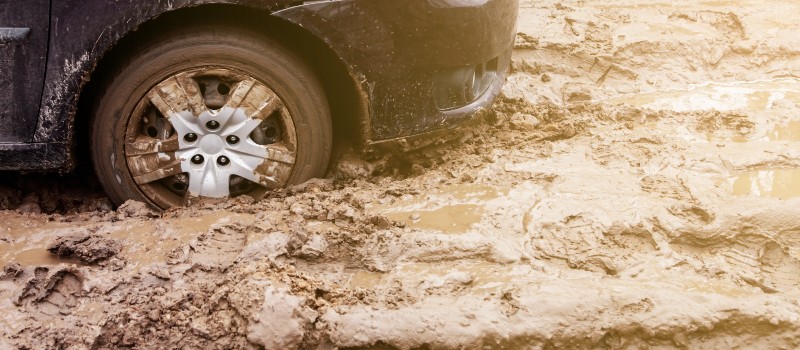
(636, 186)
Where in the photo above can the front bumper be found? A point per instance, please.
(422, 65)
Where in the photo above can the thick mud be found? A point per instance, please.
(637, 186)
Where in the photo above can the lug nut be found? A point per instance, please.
(197, 159)
(223, 160)
(233, 139)
(190, 137)
(213, 125)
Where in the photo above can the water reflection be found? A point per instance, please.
(771, 183)
(753, 96)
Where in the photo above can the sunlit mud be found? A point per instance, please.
(635, 187)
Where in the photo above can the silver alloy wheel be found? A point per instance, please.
(209, 132)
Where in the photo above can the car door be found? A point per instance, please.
(24, 28)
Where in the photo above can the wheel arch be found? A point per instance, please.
(349, 105)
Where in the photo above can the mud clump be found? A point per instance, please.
(88, 249)
(714, 120)
(134, 209)
(30, 205)
(281, 322)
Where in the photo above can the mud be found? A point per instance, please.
(636, 186)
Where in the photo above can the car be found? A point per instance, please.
(174, 100)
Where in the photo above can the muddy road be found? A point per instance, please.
(637, 186)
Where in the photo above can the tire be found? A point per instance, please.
(149, 127)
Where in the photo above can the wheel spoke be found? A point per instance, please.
(256, 98)
(209, 181)
(194, 98)
(244, 129)
(261, 102)
(185, 123)
(146, 145)
(241, 170)
(240, 93)
(238, 168)
(266, 108)
(279, 153)
(250, 148)
(151, 167)
(178, 94)
(274, 152)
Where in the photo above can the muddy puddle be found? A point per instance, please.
(24, 241)
(784, 131)
(146, 241)
(452, 209)
(769, 183)
(755, 101)
(154, 241)
(39, 257)
(751, 96)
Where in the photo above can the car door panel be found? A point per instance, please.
(23, 55)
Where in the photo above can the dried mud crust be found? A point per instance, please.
(564, 220)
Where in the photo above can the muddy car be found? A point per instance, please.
(183, 99)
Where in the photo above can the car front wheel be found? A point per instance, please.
(209, 113)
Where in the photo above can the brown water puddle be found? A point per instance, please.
(769, 183)
(786, 132)
(452, 209)
(451, 218)
(25, 239)
(365, 279)
(39, 257)
(754, 96)
(789, 132)
(148, 242)
(143, 241)
(716, 288)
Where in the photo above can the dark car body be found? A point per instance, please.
(414, 67)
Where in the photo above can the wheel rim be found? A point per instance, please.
(209, 132)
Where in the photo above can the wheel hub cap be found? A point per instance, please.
(211, 144)
(211, 178)
(206, 148)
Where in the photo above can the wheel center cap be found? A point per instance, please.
(212, 144)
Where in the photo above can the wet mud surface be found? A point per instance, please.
(636, 186)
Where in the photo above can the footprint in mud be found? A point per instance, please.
(51, 291)
(219, 247)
